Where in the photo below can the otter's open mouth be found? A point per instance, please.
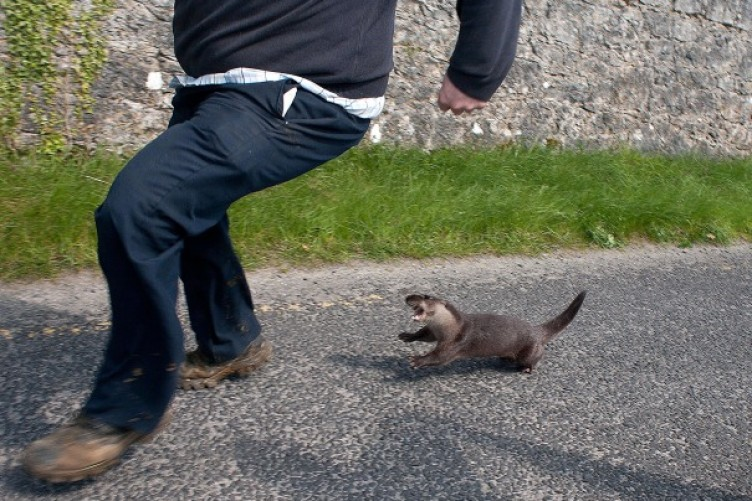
(419, 314)
(415, 301)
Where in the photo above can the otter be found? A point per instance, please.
(459, 335)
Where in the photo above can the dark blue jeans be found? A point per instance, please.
(165, 220)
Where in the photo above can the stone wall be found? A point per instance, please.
(660, 75)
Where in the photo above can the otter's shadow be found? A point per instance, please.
(397, 368)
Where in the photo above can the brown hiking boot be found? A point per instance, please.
(197, 372)
(81, 449)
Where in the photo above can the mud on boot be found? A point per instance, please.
(197, 372)
(81, 449)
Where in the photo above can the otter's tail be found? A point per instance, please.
(558, 324)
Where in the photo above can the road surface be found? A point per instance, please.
(645, 396)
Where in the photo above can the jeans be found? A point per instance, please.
(165, 220)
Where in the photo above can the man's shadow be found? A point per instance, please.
(49, 360)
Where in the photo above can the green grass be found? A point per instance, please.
(381, 203)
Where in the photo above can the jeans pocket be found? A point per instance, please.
(287, 99)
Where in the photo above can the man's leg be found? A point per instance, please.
(218, 296)
(219, 300)
(176, 189)
(221, 312)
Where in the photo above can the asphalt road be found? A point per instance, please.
(646, 396)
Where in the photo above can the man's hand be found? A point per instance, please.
(451, 98)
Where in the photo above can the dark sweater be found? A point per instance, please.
(343, 45)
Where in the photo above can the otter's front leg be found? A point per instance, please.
(441, 355)
(424, 334)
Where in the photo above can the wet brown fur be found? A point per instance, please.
(459, 335)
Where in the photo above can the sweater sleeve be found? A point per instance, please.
(486, 45)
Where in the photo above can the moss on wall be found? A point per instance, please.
(54, 51)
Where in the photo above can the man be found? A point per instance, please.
(271, 91)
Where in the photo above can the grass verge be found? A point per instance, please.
(379, 203)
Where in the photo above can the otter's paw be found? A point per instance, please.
(416, 361)
(406, 337)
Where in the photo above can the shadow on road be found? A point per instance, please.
(397, 368)
(51, 359)
(434, 466)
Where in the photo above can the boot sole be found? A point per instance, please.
(65, 477)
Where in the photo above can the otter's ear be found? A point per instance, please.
(413, 299)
